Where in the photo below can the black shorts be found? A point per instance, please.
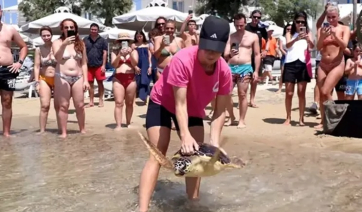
(341, 85)
(7, 79)
(295, 72)
(269, 60)
(158, 115)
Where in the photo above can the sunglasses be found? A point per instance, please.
(160, 24)
(256, 17)
(68, 27)
(300, 22)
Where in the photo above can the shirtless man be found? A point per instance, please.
(9, 70)
(241, 45)
(191, 38)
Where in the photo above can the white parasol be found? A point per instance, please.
(143, 19)
(53, 21)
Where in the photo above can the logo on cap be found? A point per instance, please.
(213, 36)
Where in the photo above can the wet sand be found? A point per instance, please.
(289, 168)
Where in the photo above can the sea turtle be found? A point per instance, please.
(207, 161)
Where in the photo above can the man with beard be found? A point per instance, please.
(9, 70)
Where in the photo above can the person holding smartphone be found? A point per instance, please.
(124, 84)
(241, 45)
(298, 42)
(332, 42)
(191, 38)
(71, 75)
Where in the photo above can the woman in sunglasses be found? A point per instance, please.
(332, 41)
(298, 42)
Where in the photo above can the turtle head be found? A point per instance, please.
(181, 166)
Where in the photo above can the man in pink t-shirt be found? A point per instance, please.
(194, 77)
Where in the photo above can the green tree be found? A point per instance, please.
(35, 9)
(284, 10)
(107, 9)
(223, 8)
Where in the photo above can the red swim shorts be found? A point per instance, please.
(96, 73)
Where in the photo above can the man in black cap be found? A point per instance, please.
(194, 77)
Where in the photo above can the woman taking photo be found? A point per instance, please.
(283, 50)
(167, 45)
(298, 42)
(151, 35)
(44, 69)
(124, 85)
(70, 74)
(332, 42)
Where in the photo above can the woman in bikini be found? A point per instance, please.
(70, 74)
(166, 46)
(151, 35)
(332, 41)
(124, 84)
(44, 69)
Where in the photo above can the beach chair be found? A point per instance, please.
(23, 85)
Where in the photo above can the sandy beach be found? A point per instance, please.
(289, 168)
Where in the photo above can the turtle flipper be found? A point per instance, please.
(162, 160)
(236, 163)
(218, 152)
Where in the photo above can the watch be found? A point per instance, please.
(21, 62)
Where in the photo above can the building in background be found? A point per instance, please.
(180, 5)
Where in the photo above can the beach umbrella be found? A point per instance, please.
(112, 34)
(144, 18)
(53, 21)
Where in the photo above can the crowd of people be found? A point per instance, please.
(189, 71)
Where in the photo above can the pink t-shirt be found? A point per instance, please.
(185, 70)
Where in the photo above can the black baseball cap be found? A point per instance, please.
(214, 34)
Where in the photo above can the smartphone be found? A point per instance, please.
(303, 29)
(71, 33)
(167, 39)
(124, 44)
(325, 25)
(191, 11)
(235, 46)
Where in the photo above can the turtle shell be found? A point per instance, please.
(205, 150)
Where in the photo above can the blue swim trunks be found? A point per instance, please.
(240, 72)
